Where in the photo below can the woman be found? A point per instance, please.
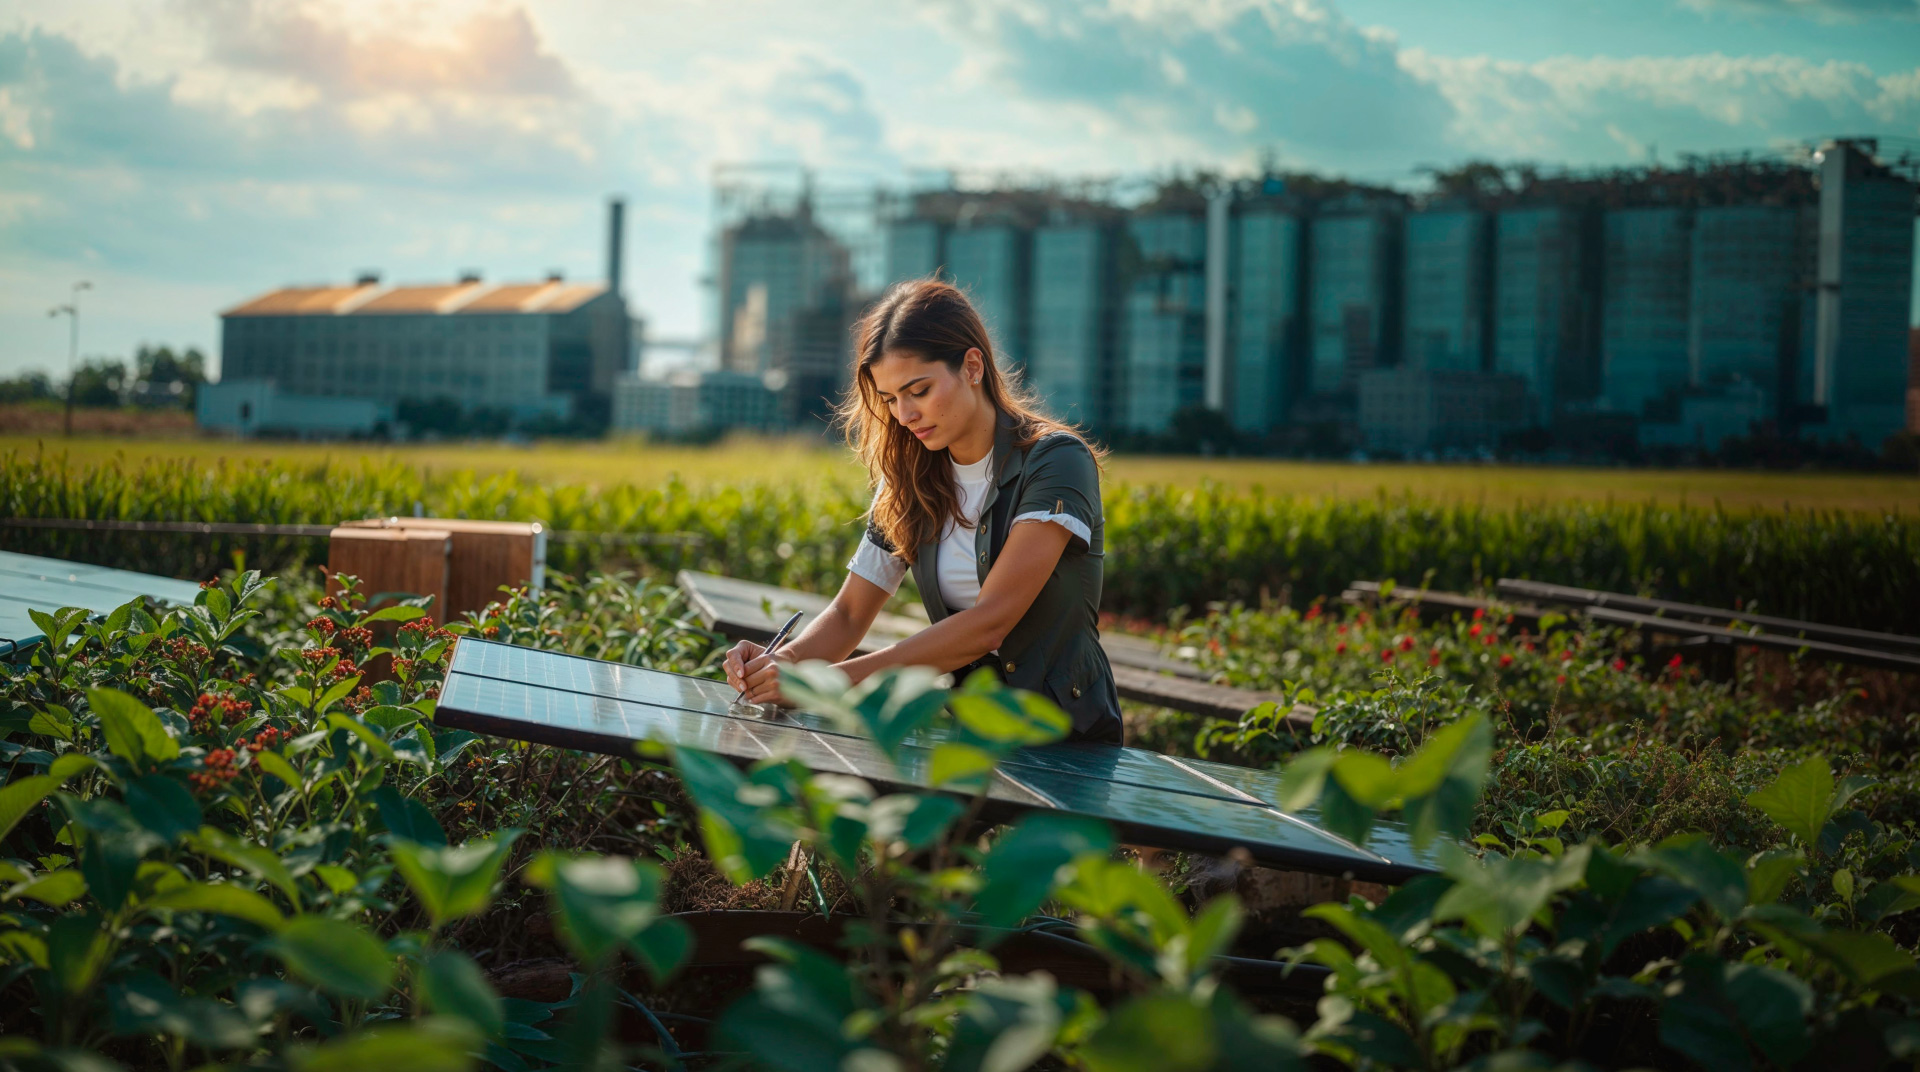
(993, 507)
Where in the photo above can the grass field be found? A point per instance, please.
(804, 461)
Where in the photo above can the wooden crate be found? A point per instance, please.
(484, 556)
(411, 560)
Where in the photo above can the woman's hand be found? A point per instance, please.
(751, 670)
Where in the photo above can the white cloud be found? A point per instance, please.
(1202, 82)
(1825, 10)
(293, 150)
(1590, 109)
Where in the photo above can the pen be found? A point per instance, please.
(778, 636)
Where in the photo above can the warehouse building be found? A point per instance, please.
(544, 351)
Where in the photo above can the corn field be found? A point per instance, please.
(1167, 547)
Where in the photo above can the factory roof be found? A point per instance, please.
(375, 299)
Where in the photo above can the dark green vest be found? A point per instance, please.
(1055, 648)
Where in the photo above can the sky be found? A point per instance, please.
(184, 155)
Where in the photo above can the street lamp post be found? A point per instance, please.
(72, 311)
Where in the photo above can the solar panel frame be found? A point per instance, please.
(1184, 804)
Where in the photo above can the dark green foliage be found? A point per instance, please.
(1167, 547)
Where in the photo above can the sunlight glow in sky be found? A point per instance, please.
(186, 154)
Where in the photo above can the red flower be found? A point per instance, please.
(1313, 612)
(1673, 663)
(1619, 664)
(1479, 613)
(1433, 657)
(1342, 631)
(1506, 658)
(1561, 678)
(1340, 648)
(1487, 639)
(1406, 643)
(1566, 656)
(1475, 630)
(1386, 655)
(1864, 695)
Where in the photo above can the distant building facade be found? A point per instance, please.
(1432, 411)
(248, 408)
(1865, 277)
(1355, 303)
(1656, 297)
(1446, 290)
(1070, 355)
(1546, 304)
(1644, 308)
(1164, 353)
(690, 403)
(529, 350)
(1267, 296)
(786, 301)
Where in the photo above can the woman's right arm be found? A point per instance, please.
(831, 635)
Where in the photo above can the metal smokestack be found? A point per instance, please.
(616, 227)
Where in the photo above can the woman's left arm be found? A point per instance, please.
(1014, 582)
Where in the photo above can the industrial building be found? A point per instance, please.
(786, 300)
(1713, 299)
(1163, 363)
(692, 404)
(1070, 355)
(543, 351)
(1865, 279)
(1268, 291)
(1418, 411)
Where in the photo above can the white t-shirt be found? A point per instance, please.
(954, 565)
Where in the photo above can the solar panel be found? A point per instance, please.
(48, 584)
(1151, 799)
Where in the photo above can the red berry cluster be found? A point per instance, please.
(344, 669)
(356, 638)
(210, 583)
(266, 738)
(361, 699)
(329, 603)
(490, 631)
(319, 656)
(402, 666)
(323, 625)
(231, 709)
(181, 650)
(219, 771)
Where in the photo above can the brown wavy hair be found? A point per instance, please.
(933, 320)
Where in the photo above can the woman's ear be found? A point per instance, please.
(973, 366)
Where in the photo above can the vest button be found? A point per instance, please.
(1074, 692)
(1009, 668)
(983, 556)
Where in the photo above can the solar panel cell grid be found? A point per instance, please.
(1153, 799)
